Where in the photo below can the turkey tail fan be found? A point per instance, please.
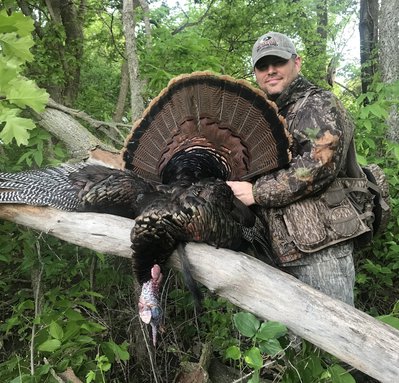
(219, 114)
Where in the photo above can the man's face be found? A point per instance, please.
(274, 74)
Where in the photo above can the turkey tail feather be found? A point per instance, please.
(77, 187)
(218, 113)
(189, 281)
(46, 187)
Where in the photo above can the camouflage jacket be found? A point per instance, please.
(322, 134)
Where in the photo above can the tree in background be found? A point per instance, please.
(388, 58)
(368, 28)
(58, 36)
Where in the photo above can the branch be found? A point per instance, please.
(77, 139)
(347, 89)
(349, 334)
(97, 124)
(80, 143)
(199, 21)
(100, 232)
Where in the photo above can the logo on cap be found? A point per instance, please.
(267, 41)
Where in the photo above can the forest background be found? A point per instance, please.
(75, 75)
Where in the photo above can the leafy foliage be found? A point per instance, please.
(377, 267)
(17, 92)
(61, 319)
(264, 341)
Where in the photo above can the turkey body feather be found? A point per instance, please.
(201, 131)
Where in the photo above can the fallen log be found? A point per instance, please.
(349, 334)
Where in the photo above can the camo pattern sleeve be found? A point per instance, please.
(322, 131)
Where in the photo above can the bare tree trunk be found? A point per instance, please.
(315, 41)
(146, 11)
(123, 92)
(136, 100)
(368, 29)
(72, 19)
(389, 54)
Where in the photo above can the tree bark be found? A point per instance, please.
(123, 92)
(77, 139)
(72, 19)
(136, 100)
(368, 29)
(389, 53)
(352, 336)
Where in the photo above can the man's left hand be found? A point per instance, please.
(243, 191)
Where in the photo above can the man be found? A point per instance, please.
(322, 136)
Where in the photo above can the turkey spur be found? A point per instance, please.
(201, 131)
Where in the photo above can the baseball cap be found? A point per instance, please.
(273, 44)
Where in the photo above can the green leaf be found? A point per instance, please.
(17, 128)
(396, 151)
(367, 124)
(340, 375)
(16, 22)
(247, 324)
(92, 327)
(90, 376)
(233, 352)
(253, 358)
(49, 345)
(361, 159)
(72, 329)
(9, 71)
(118, 351)
(270, 330)
(88, 305)
(43, 369)
(26, 93)
(254, 377)
(20, 379)
(56, 331)
(38, 157)
(102, 363)
(74, 315)
(270, 347)
(17, 46)
(84, 339)
(389, 319)
(378, 111)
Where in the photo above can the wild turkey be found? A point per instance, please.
(200, 131)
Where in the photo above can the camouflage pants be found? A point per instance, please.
(330, 271)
